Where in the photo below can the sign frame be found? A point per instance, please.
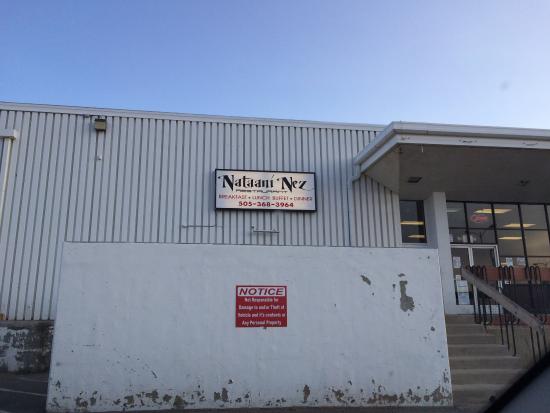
(284, 321)
(314, 174)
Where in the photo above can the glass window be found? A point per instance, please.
(455, 214)
(460, 259)
(507, 216)
(479, 215)
(510, 243)
(543, 262)
(482, 236)
(484, 256)
(458, 235)
(533, 217)
(512, 261)
(413, 228)
(520, 230)
(537, 243)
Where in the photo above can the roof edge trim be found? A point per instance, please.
(93, 111)
(436, 129)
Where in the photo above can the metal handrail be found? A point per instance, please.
(508, 304)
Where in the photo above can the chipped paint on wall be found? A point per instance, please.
(195, 357)
(406, 302)
(373, 394)
(365, 279)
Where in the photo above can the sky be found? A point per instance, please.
(473, 62)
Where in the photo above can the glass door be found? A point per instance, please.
(469, 255)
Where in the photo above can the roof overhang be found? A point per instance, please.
(466, 162)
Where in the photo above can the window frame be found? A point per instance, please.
(522, 230)
(419, 202)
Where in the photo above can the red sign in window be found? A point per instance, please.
(261, 306)
(479, 218)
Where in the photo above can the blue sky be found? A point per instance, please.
(477, 62)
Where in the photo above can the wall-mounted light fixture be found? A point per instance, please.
(414, 179)
(100, 124)
(9, 134)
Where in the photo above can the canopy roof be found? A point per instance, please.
(466, 162)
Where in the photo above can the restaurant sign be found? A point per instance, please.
(291, 191)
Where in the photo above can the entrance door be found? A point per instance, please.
(468, 255)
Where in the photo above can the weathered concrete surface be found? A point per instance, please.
(25, 346)
(26, 393)
(152, 326)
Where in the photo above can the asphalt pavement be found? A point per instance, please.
(23, 393)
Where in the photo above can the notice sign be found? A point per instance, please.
(261, 306)
(291, 191)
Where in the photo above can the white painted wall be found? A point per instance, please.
(151, 326)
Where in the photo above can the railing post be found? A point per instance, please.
(505, 297)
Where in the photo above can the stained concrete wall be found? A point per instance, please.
(152, 326)
(25, 346)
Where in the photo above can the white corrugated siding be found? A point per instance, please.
(1, 153)
(4, 153)
(151, 180)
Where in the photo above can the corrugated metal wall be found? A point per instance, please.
(1, 153)
(152, 180)
(4, 152)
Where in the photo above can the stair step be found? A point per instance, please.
(475, 394)
(458, 329)
(471, 339)
(459, 319)
(481, 367)
(459, 350)
(472, 408)
(485, 376)
(488, 362)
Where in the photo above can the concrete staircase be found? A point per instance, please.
(481, 368)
